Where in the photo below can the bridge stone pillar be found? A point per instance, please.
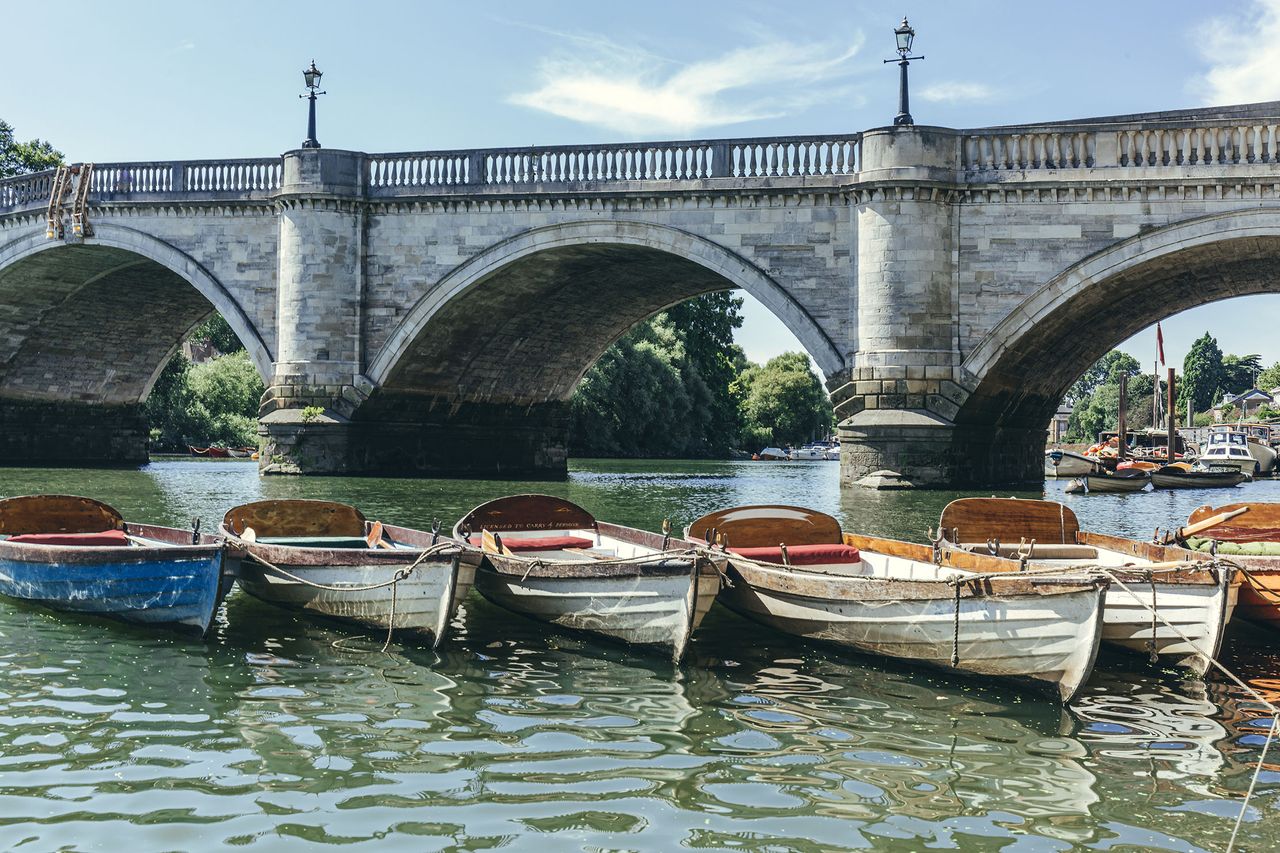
(304, 422)
(905, 387)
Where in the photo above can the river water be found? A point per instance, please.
(513, 736)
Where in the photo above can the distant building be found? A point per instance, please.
(1058, 426)
(1246, 404)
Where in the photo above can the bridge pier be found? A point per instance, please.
(37, 432)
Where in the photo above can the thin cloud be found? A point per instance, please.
(1242, 77)
(951, 91)
(634, 91)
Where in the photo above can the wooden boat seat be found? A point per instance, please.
(539, 543)
(1038, 552)
(316, 541)
(802, 555)
(105, 538)
(297, 518)
(1011, 520)
(764, 526)
(56, 514)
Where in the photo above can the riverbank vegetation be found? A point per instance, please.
(677, 386)
(214, 402)
(1207, 376)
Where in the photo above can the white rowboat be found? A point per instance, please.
(315, 557)
(888, 598)
(549, 559)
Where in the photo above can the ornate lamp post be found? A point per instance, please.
(905, 36)
(312, 77)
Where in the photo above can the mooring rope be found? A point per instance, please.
(1274, 711)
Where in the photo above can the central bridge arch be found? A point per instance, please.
(491, 355)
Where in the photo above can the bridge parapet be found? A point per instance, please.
(1174, 141)
(529, 168)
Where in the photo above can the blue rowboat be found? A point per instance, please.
(77, 554)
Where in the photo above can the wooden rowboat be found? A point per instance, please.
(1251, 540)
(210, 452)
(1181, 477)
(325, 558)
(795, 570)
(1068, 463)
(1185, 589)
(551, 560)
(78, 554)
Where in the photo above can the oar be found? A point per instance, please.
(249, 536)
(1192, 529)
(491, 542)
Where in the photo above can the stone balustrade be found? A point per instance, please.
(1188, 140)
(1225, 141)
(514, 168)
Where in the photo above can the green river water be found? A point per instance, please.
(515, 736)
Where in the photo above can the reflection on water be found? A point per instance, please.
(268, 734)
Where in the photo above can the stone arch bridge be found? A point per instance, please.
(440, 307)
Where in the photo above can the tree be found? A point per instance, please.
(1269, 378)
(1099, 409)
(784, 400)
(1102, 370)
(1202, 374)
(217, 333)
(1239, 372)
(663, 388)
(211, 403)
(19, 158)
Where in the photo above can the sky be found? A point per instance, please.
(164, 80)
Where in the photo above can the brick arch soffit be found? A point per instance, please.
(1098, 269)
(179, 263)
(736, 270)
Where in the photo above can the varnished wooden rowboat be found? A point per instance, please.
(1034, 534)
(78, 554)
(551, 560)
(1251, 540)
(795, 570)
(325, 558)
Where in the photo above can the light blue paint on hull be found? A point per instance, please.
(151, 591)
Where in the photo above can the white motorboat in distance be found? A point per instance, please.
(795, 570)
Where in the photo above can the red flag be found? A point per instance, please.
(1160, 343)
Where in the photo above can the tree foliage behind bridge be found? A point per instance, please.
(678, 386)
(21, 158)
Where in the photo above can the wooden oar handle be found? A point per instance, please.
(1193, 529)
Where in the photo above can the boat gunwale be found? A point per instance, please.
(662, 563)
(177, 545)
(311, 556)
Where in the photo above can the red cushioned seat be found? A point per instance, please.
(804, 555)
(541, 543)
(105, 538)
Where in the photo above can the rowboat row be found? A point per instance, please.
(1008, 588)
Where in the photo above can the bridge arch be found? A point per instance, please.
(137, 294)
(640, 269)
(1019, 372)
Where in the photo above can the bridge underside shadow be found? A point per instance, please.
(87, 329)
(483, 389)
(1000, 430)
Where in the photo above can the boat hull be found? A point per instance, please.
(177, 585)
(423, 603)
(1068, 464)
(1198, 611)
(1107, 484)
(656, 605)
(1197, 480)
(1031, 630)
